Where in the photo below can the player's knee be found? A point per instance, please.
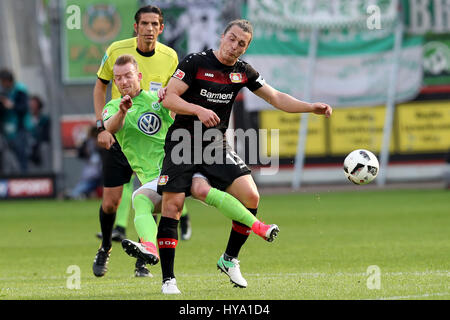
(200, 191)
(110, 205)
(172, 209)
(251, 199)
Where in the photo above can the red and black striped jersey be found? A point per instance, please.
(213, 85)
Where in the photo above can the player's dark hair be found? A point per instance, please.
(6, 75)
(245, 25)
(149, 9)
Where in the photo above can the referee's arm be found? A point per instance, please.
(105, 139)
(99, 97)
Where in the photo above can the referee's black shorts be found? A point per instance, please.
(177, 177)
(115, 167)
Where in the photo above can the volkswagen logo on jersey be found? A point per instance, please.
(149, 123)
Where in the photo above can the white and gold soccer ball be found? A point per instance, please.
(361, 166)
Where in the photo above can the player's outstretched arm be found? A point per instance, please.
(175, 103)
(287, 103)
(115, 123)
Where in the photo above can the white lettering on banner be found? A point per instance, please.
(420, 17)
(30, 187)
(429, 15)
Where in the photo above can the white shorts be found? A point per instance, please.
(153, 185)
(199, 175)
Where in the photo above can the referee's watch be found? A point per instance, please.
(100, 126)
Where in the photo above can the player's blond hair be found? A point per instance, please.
(125, 59)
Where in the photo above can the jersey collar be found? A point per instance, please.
(145, 54)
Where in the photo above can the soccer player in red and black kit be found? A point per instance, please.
(203, 88)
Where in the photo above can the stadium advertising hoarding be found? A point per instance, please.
(423, 127)
(87, 29)
(356, 128)
(288, 125)
(420, 127)
(74, 129)
(190, 26)
(29, 187)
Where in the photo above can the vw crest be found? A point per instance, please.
(149, 123)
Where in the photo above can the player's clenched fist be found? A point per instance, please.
(126, 103)
(105, 139)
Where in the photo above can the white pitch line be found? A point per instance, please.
(324, 274)
(413, 296)
(444, 273)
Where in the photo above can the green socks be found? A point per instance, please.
(230, 207)
(123, 211)
(144, 223)
(185, 211)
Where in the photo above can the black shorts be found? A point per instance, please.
(115, 167)
(177, 177)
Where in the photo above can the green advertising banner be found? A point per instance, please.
(431, 18)
(353, 59)
(436, 59)
(88, 27)
(191, 26)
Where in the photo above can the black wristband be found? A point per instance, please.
(100, 126)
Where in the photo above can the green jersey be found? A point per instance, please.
(143, 133)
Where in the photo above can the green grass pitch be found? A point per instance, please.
(327, 242)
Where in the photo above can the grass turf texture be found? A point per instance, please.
(327, 242)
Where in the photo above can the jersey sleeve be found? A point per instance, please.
(109, 110)
(186, 70)
(174, 65)
(105, 72)
(255, 80)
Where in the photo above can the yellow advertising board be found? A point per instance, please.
(419, 127)
(424, 127)
(357, 128)
(288, 125)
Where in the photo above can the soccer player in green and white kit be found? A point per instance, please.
(157, 63)
(140, 125)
